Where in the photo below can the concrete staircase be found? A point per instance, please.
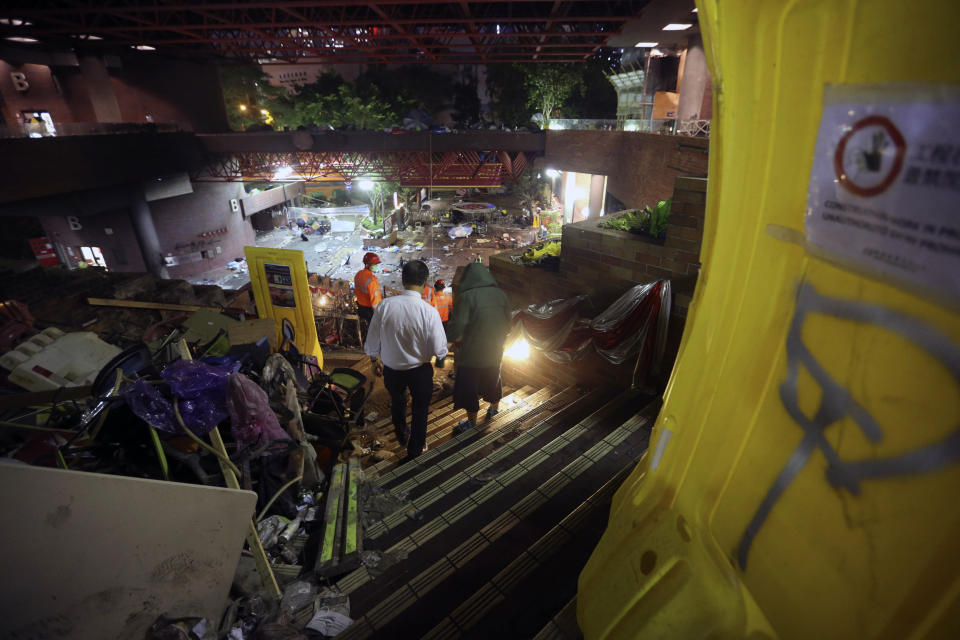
(502, 519)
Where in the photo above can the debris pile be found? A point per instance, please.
(204, 397)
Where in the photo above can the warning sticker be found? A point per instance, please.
(884, 190)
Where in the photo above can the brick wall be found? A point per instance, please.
(640, 167)
(180, 221)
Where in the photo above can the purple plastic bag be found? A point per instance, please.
(190, 378)
(200, 389)
(148, 404)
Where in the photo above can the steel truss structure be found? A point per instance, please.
(341, 31)
(409, 168)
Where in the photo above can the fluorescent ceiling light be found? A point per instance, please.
(87, 36)
(673, 26)
(646, 45)
(20, 39)
(15, 22)
(143, 47)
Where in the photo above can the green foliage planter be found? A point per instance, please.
(648, 222)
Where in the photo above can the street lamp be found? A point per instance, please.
(243, 111)
(553, 174)
(369, 186)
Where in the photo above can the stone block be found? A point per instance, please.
(676, 266)
(621, 272)
(646, 258)
(691, 184)
(658, 273)
(682, 220)
(697, 197)
(682, 244)
(687, 233)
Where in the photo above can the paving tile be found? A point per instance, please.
(446, 630)
(432, 576)
(530, 503)
(468, 550)
(476, 606)
(391, 607)
(499, 526)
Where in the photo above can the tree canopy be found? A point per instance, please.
(381, 96)
(549, 85)
(343, 107)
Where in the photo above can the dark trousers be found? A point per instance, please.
(366, 315)
(420, 382)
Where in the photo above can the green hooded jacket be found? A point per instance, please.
(480, 319)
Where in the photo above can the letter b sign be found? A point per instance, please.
(19, 80)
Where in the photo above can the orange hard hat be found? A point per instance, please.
(371, 258)
(439, 285)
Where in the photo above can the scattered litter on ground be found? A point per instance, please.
(329, 623)
(297, 595)
(378, 562)
(333, 599)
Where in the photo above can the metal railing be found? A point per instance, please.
(693, 128)
(42, 130)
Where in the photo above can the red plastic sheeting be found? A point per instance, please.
(635, 324)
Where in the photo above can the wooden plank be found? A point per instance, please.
(337, 316)
(138, 304)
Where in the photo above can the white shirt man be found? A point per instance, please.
(405, 333)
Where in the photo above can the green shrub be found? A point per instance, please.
(652, 222)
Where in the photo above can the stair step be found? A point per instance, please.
(446, 484)
(458, 495)
(498, 534)
(546, 583)
(443, 423)
(428, 461)
(562, 626)
(441, 403)
(546, 574)
(383, 426)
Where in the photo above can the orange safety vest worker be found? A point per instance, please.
(365, 284)
(442, 301)
(428, 295)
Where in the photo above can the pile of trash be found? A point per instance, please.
(205, 399)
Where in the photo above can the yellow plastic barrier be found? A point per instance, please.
(802, 480)
(281, 290)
